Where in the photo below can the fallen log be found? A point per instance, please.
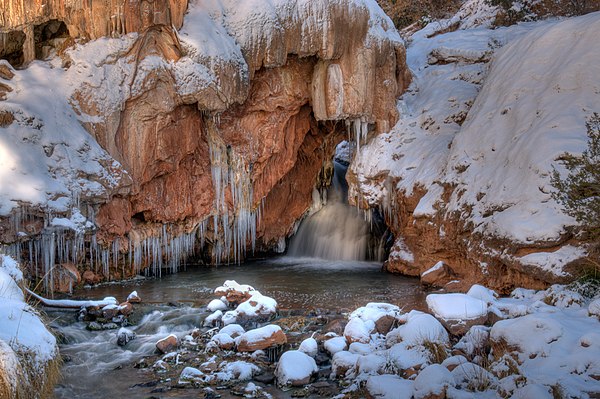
(70, 303)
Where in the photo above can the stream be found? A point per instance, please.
(96, 367)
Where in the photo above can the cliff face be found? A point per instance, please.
(211, 135)
(464, 177)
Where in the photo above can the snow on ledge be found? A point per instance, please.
(554, 262)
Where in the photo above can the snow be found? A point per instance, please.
(419, 327)
(216, 304)
(437, 266)
(238, 370)
(482, 293)
(233, 286)
(554, 261)
(309, 346)
(456, 306)
(21, 326)
(233, 330)
(257, 304)
(358, 330)
(294, 366)
(432, 380)
(222, 339)
(491, 129)
(389, 387)
(259, 334)
(190, 374)
(335, 345)
(213, 318)
(594, 308)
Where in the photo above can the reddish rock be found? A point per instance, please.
(89, 277)
(438, 275)
(168, 344)
(66, 277)
(384, 324)
(125, 308)
(108, 312)
(248, 342)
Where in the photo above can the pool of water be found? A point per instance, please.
(98, 368)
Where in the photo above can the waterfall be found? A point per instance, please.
(337, 231)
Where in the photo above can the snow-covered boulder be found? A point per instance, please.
(389, 386)
(358, 330)
(295, 368)
(216, 304)
(234, 293)
(473, 377)
(223, 341)
(560, 296)
(309, 346)
(418, 327)
(233, 330)
(485, 294)
(335, 345)
(342, 362)
(213, 319)
(261, 338)
(238, 370)
(191, 374)
(384, 315)
(475, 342)
(432, 382)
(257, 305)
(458, 312)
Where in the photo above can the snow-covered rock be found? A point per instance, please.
(458, 312)
(224, 341)
(261, 338)
(295, 368)
(358, 330)
(216, 304)
(594, 308)
(309, 346)
(389, 386)
(432, 381)
(124, 335)
(213, 319)
(418, 327)
(233, 330)
(335, 345)
(191, 374)
(342, 362)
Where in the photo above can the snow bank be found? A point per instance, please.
(389, 386)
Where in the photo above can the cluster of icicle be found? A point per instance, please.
(233, 228)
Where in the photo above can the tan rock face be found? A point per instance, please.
(96, 18)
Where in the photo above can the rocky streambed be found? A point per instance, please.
(238, 342)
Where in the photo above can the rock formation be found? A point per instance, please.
(213, 126)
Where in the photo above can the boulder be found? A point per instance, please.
(261, 338)
(124, 335)
(167, 344)
(133, 297)
(295, 368)
(125, 308)
(458, 312)
(89, 277)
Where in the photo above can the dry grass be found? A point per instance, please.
(437, 351)
(407, 12)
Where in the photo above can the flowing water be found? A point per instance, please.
(337, 231)
(98, 368)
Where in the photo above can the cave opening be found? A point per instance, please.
(11, 47)
(49, 37)
(334, 229)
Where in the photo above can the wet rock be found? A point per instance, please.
(110, 311)
(265, 378)
(133, 297)
(124, 335)
(125, 308)
(261, 338)
(167, 344)
(96, 326)
(295, 368)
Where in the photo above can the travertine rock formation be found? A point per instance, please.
(219, 128)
